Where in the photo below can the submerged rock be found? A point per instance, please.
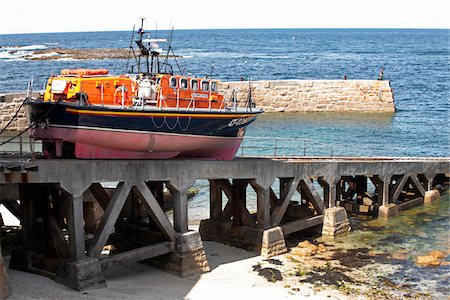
(305, 248)
(432, 259)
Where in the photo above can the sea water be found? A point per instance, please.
(417, 63)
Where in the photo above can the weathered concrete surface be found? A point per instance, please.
(335, 222)
(388, 211)
(82, 275)
(187, 171)
(5, 290)
(189, 257)
(431, 196)
(317, 95)
(273, 242)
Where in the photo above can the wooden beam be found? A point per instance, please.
(57, 240)
(100, 194)
(29, 215)
(285, 198)
(263, 198)
(301, 224)
(227, 212)
(215, 204)
(312, 195)
(155, 211)
(135, 255)
(239, 211)
(226, 187)
(273, 198)
(109, 219)
(417, 185)
(399, 187)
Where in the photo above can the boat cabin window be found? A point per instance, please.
(205, 86)
(194, 84)
(173, 82)
(183, 83)
(214, 86)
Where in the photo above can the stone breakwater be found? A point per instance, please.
(275, 96)
(8, 109)
(317, 95)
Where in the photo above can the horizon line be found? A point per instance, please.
(254, 28)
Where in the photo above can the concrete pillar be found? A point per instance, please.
(5, 290)
(429, 181)
(335, 222)
(387, 210)
(215, 205)
(263, 207)
(79, 272)
(180, 208)
(239, 200)
(329, 190)
(76, 227)
(361, 186)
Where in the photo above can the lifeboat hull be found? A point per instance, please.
(114, 133)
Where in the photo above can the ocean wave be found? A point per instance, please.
(13, 55)
(24, 48)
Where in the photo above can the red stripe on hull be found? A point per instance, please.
(104, 144)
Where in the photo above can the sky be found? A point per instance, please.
(33, 16)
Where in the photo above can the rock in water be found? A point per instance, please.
(432, 259)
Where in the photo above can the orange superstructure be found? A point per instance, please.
(188, 92)
(92, 86)
(98, 87)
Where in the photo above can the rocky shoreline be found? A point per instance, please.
(58, 53)
(98, 53)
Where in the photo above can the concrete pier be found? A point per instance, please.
(74, 229)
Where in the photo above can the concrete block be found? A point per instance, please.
(388, 211)
(81, 275)
(273, 242)
(335, 222)
(189, 257)
(431, 196)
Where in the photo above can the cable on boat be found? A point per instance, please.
(31, 125)
(15, 116)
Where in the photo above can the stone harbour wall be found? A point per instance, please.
(8, 108)
(374, 96)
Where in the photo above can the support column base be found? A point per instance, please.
(335, 222)
(20, 259)
(81, 275)
(388, 211)
(267, 243)
(189, 257)
(431, 196)
(5, 290)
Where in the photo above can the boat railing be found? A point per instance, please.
(283, 147)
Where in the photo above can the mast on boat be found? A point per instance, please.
(149, 53)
